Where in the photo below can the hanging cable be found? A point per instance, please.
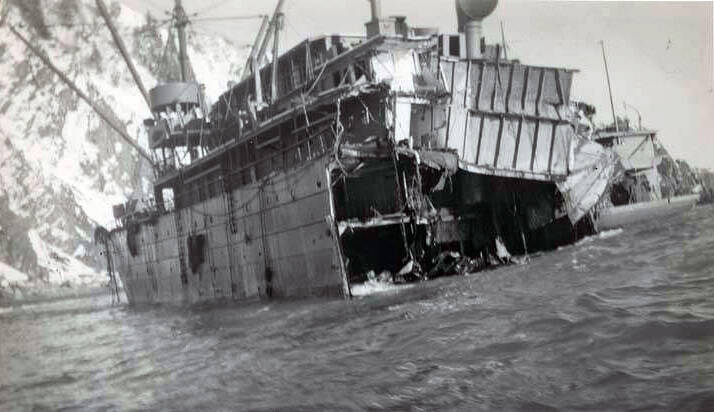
(246, 17)
(211, 7)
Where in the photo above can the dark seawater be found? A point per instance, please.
(620, 321)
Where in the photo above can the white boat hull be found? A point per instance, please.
(619, 216)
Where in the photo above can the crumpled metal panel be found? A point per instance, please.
(509, 118)
(594, 168)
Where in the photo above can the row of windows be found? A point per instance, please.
(240, 167)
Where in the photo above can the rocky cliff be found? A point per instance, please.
(61, 167)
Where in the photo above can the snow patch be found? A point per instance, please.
(62, 268)
(10, 275)
(54, 171)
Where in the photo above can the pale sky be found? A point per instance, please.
(659, 53)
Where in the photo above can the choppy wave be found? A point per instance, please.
(620, 321)
(375, 286)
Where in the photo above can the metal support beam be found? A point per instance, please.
(276, 51)
(609, 86)
(122, 49)
(256, 45)
(518, 142)
(258, 82)
(266, 39)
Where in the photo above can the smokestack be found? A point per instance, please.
(379, 25)
(376, 6)
(470, 15)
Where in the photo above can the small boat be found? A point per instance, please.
(619, 216)
(637, 196)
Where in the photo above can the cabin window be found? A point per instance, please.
(190, 196)
(180, 199)
(336, 78)
(454, 46)
(250, 151)
(167, 196)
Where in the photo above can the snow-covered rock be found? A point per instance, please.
(61, 167)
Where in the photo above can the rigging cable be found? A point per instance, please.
(211, 7)
(245, 17)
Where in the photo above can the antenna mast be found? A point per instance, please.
(181, 23)
(639, 115)
(503, 41)
(609, 86)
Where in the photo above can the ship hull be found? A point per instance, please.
(619, 216)
(380, 161)
(274, 240)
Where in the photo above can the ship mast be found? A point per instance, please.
(181, 23)
(609, 86)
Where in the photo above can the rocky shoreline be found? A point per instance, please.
(20, 295)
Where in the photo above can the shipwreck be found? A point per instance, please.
(404, 153)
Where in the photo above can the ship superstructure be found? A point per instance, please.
(405, 151)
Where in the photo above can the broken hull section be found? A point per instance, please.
(471, 222)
